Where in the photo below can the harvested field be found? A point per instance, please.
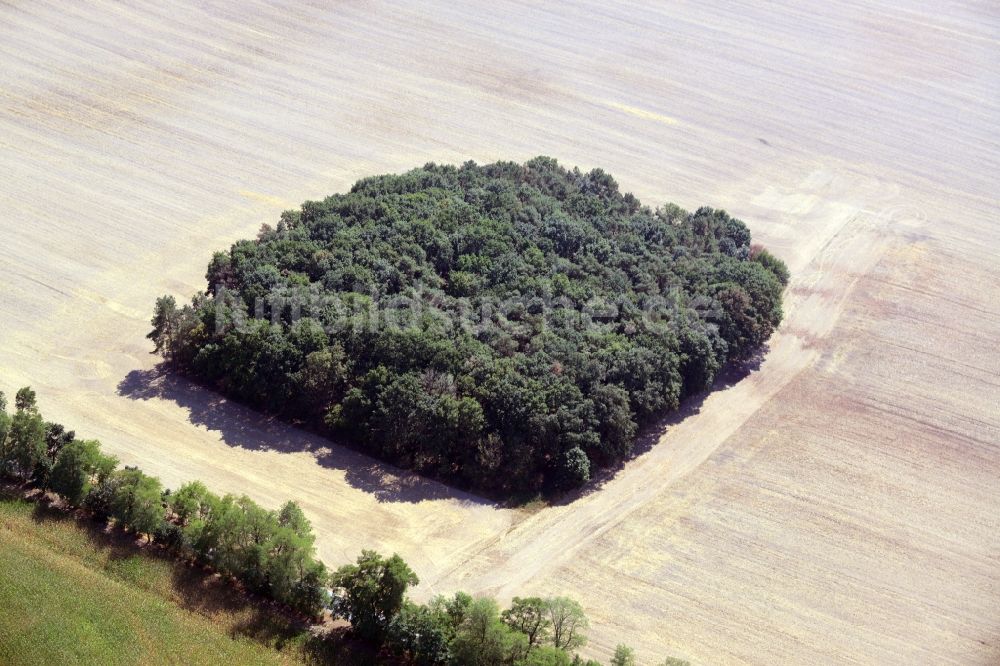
(840, 504)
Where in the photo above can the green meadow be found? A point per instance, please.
(73, 593)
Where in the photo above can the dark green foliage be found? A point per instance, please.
(4, 430)
(372, 592)
(23, 449)
(574, 468)
(420, 635)
(770, 262)
(166, 320)
(170, 536)
(100, 499)
(56, 437)
(79, 465)
(25, 400)
(483, 639)
(137, 502)
(483, 324)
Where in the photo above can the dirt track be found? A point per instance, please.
(838, 505)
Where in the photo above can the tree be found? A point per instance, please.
(78, 467)
(770, 262)
(192, 502)
(575, 468)
(165, 322)
(288, 559)
(309, 594)
(220, 273)
(454, 608)
(4, 430)
(24, 446)
(372, 592)
(623, 656)
(611, 406)
(529, 616)
(750, 296)
(444, 319)
(484, 640)
(319, 382)
(568, 622)
(237, 538)
(292, 574)
(420, 635)
(546, 655)
(290, 516)
(25, 400)
(56, 438)
(138, 501)
(674, 661)
(580, 661)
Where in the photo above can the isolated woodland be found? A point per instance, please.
(505, 326)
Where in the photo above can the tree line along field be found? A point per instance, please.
(507, 326)
(244, 549)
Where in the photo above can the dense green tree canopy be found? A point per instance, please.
(507, 326)
(24, 447)
(79, 465)
(372, 591)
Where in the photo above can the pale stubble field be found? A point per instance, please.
(839, 504)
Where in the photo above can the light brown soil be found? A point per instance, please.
(838, 505)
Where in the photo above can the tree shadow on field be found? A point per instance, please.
(243, 427)
(246, 428)
(116, 544)
(651, 433)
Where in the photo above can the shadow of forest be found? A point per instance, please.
(242, 427)
(245, 428)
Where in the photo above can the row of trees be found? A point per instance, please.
(460, 629)
(272, 553)
(506, 327)
(269, 552)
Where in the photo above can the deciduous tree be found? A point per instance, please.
(372, 592)
(568, 623)
(79, 465)
(623, 656)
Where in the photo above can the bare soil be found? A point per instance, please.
(837, 504)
